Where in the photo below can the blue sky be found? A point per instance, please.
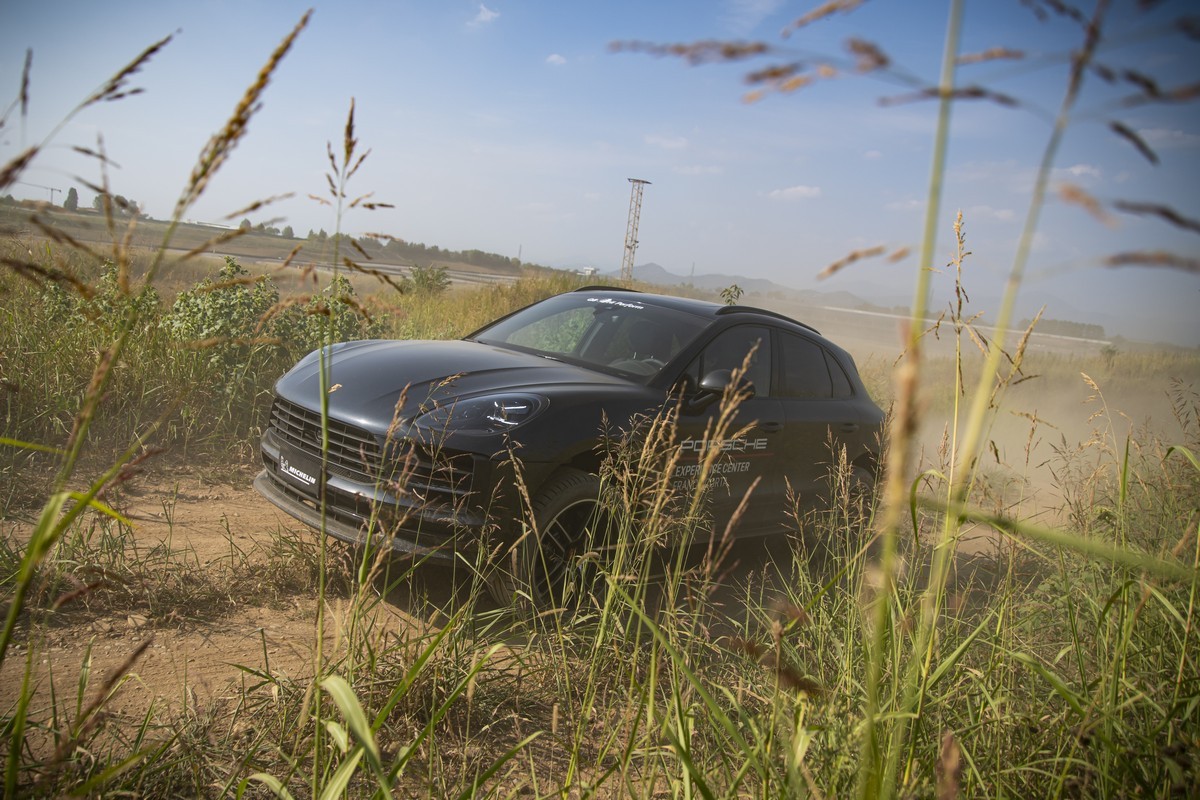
(511, 126)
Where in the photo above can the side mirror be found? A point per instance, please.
(717, 381)
(712, 386)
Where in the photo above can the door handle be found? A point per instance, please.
(848, 427)
(772, 426)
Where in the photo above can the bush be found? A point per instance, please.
(332, 315)
(429, 280)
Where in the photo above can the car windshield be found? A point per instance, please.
(625, 335)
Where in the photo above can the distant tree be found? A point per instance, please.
(322, 235)
(98, 202)
(72, 201)
(245, 225)
(288, 233)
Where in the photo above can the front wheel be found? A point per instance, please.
(557, 562)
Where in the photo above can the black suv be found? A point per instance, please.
(423, 437)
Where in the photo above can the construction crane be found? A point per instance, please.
(631, 229)
(50, 189)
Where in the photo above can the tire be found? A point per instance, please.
(556, 563)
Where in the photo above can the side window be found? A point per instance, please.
(728, 350)
(841, 384)
(805, 371)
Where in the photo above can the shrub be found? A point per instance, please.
(429, 280)
(332, 315)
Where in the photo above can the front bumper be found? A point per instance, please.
(362, 513)
(308, 512)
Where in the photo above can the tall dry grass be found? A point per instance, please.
(860, 657)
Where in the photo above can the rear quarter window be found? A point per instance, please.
(806, 370)
(842, 388)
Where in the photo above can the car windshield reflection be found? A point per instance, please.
(630, 337)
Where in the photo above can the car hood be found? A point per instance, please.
(367, 379)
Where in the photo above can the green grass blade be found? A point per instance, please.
(17, 443)
(718, 714)
(44, 535)
(107, 510)
(683, 753)
(949, 662)
(913, 501)
(413, 747)
(1056, 683)
(417, 666)
(97, 782)
(1185, 452)
(271, 782)
(1125, 556)
(16, 739)
(347, 702)
(341, 778)
(473, 790)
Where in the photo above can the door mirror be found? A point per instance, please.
(712, 386)
(717, 381)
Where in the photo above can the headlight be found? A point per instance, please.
(493, 413)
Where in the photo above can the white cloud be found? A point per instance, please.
(1008, 175)
(1161, 137)
(799, 192)
(666, 142)
(698, 169)
(987, 212)
(555, 59)
(1077, 172)
(744, 16)
(871, 155)
(484, 16)
(909, 204)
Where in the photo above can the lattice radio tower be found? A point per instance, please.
(631, 229)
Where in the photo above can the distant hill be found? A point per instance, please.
(659, 276)
(1090, 325)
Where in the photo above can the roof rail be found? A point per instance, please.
(765, 312)
(602, 288)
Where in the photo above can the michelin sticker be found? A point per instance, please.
(298, 474)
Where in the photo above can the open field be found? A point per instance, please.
(763, 649)
(1014, 613)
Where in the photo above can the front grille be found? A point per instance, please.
(436, 477)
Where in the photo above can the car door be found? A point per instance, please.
(741, 459)
(819, 419)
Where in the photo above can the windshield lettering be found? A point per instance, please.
(608, 301)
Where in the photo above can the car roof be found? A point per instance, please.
(704, 308)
